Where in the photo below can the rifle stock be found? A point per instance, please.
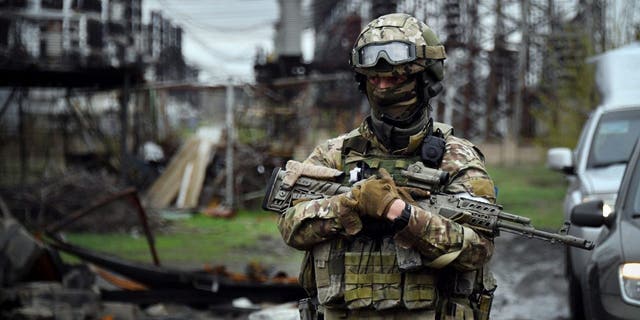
(484, 217)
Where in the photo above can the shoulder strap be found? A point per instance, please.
(356, 143)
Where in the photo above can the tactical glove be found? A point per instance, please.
(375, 195)
(412, 195)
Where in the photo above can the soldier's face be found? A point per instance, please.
(386, 82)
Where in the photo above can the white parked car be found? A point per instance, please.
(596, 166)
(594, 169)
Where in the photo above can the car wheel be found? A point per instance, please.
(576, 303)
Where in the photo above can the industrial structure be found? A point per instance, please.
(114, 83)
(87, 43)
(504, 57)
(62, 62)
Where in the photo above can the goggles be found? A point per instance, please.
(394, 52)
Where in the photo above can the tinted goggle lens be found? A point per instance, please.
(393, 52)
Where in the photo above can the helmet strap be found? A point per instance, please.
(429, 86)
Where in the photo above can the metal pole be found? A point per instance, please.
(130, 193)
(124, 125)
(230, 142)
(7, 102)
(522, 59)
(512, 140)
(23, 136)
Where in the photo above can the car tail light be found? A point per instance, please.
(630, 282)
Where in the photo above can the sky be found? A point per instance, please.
(222, 37)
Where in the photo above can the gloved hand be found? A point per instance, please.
(374, 195)
(410, 194)
(347, 213)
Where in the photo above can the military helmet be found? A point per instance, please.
(407, 45)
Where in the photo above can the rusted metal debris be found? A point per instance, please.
(132, 195)
(34, 269)
(206, 286)
(51, 200)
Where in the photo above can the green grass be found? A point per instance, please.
(198, 240)
(530, 190)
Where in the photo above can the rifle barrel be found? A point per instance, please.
(531, 232)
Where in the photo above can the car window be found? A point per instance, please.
(583, 135)
(614, 138)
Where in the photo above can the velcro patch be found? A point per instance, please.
(481, 187)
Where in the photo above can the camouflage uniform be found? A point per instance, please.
(318, 223)
(356, 265)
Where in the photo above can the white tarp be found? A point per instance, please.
(618, 75)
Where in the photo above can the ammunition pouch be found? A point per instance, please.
(366, 274)
(470, 294)
(459, 284)
(328, 261)
(372, 277)
(307, 277)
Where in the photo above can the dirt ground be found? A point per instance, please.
(530, 279)
(529, 273)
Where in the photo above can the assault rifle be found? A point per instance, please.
(481, 216)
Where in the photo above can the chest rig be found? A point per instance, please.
(360, 160)
(371, 271)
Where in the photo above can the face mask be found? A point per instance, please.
(397, 103)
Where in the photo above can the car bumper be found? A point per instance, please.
(613, 307)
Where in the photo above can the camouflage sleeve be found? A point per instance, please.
(444, 242)
(465, 164)
(440, 240)
(308, 223)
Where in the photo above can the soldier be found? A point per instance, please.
(373, 252)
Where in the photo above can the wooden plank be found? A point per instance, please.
(199, 173)
(166, 187)
(210, 138)
(185, 185)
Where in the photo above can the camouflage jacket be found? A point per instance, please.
(309, 223)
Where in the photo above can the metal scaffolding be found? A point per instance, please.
(499, 52)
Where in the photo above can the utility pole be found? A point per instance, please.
(496, 75)
(23, 135)
(516, 118)
(124, 126)
(229, 190)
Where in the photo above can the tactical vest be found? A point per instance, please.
(371, 272)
